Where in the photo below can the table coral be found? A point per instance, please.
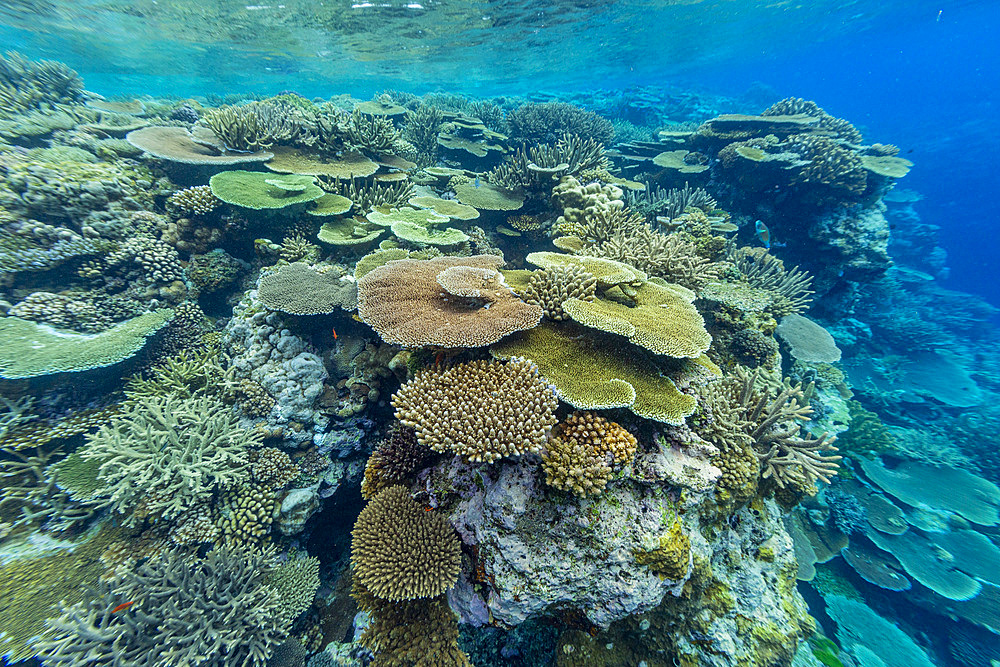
(404, 303)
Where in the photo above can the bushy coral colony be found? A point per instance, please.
(539, 350)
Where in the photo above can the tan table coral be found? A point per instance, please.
(404, 302)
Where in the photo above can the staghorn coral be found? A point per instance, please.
(368, 195)
(748, 412)
(535, 167)
(657, 202)
(400, 552)
(296, 248)
(393, 460)
(421, 130)
(666, 256)
(550, 288)
(584, 452)
(30, 84)
(762, 270)
(254, 126)
(481, 410)
(211, 612)
(538, 122)
(369, 132)
(828, 163)
(197, 200)
(406, 305)
(161, 454)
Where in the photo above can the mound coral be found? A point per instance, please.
(400, 552)
(406, 305)
(481, 410)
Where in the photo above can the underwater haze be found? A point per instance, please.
(433, 333)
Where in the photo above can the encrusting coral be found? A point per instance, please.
(400, 552)
(481, 410)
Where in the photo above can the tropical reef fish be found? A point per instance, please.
(122, 607)
(763, 233)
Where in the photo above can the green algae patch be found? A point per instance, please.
(28, 349)
(262, 190)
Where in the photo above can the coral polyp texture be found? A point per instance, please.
(481, 410)
(400, 552)
(404, 302)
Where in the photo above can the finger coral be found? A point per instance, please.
(400, 552)
(550, 288)
(482, 410)
(406, 305)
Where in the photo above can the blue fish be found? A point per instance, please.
(477, 180)
(763, 233)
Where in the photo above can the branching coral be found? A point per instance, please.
(666, 256)
(27, 84)
(393, 460)
(746, 412)
(535, 167)
(371, 132)
(368, 195)
(537, 122)
(550, 288)
(791, 106)
(197, 200)
(215, 612)
(162, 454)
(584, 452)
(765, 271)
(482, 410)
(652, 203)
(254, 126)
(400, 552)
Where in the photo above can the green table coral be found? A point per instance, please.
(448, 207)
(259, 190)
(591, 373)
(28, 349)
(662, 319)
(416, 233)
(488, 197)
(330, 204)
(387, 217)
(347, 231)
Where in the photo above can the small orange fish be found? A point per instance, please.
(334, 333)
(122, 606)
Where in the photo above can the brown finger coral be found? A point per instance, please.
(400, 552)
(584, 453)
(482, 410)
(417, 303)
